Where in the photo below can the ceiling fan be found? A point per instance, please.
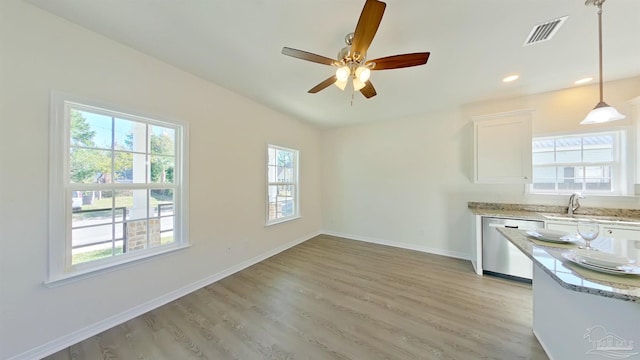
(352, 60)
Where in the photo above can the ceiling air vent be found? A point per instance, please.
(545, 31)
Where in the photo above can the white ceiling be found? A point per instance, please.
(473, 45)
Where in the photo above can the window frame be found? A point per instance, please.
(61, 269)
(295, 183)
(619, 181)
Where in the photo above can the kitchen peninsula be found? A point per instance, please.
(576, 311)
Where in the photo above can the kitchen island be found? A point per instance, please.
(579, 313)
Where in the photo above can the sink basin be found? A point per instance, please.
(598, 218)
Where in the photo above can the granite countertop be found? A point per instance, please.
(549, 258)
(552, 212)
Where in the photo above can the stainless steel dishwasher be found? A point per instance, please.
(499, 256)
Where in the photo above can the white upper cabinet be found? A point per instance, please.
(502, 148)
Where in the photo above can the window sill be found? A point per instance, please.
(122, 263)
(282, 220)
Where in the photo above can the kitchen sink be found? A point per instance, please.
(599, 218)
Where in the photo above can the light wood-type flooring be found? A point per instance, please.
(331, 298)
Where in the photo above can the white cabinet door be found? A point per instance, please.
(503, 148)
(619, 233)
(625, 242)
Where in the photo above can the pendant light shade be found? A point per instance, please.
(602, 112)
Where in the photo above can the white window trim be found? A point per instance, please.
(620, 167)
(60, 213)
(297, 213)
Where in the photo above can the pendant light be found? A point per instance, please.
(602, 112)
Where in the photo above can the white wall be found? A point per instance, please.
(407, 182)
(40, 52)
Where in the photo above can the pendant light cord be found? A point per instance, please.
(600, 45)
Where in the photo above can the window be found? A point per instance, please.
(117, 187)
(282, 184)
(589, 163)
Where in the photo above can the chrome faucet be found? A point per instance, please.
(574, 204)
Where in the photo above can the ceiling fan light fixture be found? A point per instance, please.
(602, 113)
(363, 73)
(341, 84)
(357, 84)
(343, 73)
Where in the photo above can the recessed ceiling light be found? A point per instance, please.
(510, 78)
(583, 81)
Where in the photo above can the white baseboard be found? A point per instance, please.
(94, 329)
(425, 249)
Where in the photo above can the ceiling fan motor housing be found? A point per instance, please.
(347, 57)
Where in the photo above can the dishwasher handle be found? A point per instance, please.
(503, 226)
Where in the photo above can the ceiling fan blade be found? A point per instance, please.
(399, 61)
(323, 85)
(368, 90)
(304, 55)
(367, 26)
